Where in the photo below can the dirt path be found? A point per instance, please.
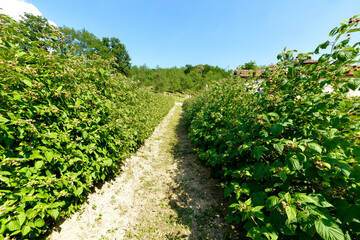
(162, 193)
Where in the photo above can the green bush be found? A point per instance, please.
(66, 123)
(287, 151)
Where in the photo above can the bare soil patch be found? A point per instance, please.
(162, 192)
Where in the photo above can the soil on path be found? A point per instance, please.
(162, 192)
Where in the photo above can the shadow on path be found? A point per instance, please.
(198, 198)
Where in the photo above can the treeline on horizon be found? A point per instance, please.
(186, 79)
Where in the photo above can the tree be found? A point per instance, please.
(81, 41)
(86, 43)
(112, 47)
(249, 65)
(38, 28)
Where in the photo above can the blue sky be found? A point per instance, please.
(225, 33)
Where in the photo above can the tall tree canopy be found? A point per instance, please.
(79, 42)
(84, 42)
(112, 47)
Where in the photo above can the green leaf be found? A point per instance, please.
(21, 217)
(291, 213)
(39, 222)
(31, 213)
(257, 153)
(328, 230)
(357, 74)
(53, 213)
(287, 197)
(354, 83)
(3, 120)
(303, 198)
(314, 146)
(272, 202)
(320, 200)
(228, 191)
(254, 233)
(269, 232)
(108, 162)
(5, 180)
(13, 226)
(78, 191)
(283, 176)
(27, 82)
(294, 163)
(274, 114)
(25, 230)
(39, 164)
(276, 129)
(49, 155)
(279, 147)
(306, 222)
(2, 226)
(354, 30)
(234, 205)
(345, 55)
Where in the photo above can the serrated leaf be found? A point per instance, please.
(316, 147)
(354, 83)
(291, 213)
(345, 55)
(303, 198)
(328, 230)
(294, 163)
(278, 147)
(320, 200)
(272, 202)
(306, 222)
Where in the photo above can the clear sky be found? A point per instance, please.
(224, 33)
